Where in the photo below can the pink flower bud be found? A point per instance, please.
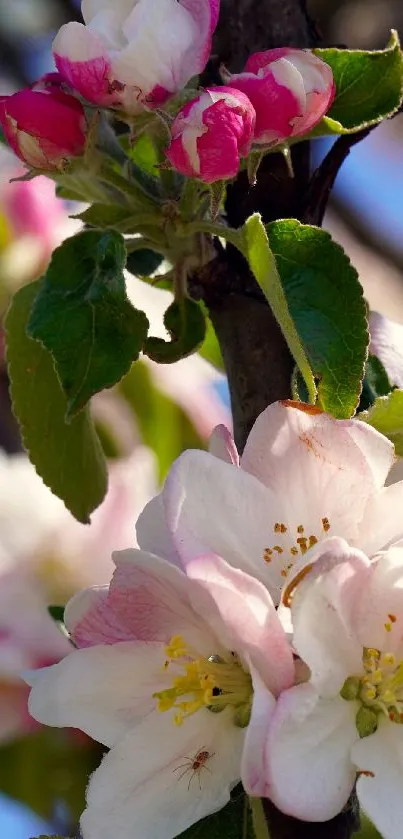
(211, 133)
(290, 89)
(133, 53)
(44, 126)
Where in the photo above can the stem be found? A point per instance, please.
(260, 827)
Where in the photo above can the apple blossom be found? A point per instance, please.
(28, 638)
(46, 556)
(178, 676)
(347, 614)
(44, 126)
(303, 477)
(211, 133)
(133, 53)
(290, 89)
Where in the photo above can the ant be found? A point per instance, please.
(194, 765)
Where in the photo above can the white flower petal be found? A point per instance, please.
(322, 468)
(139, 787)
(102, 690)
(378, 613)
(222, 445)
(380, 791)
(253, 768)
(152, 531)
(308, 754)
(382, 523)
(213, 507)
(323, 615)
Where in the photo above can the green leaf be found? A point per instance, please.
(83, 317)
(369, 86)
(326, 303)
(376, 383)
(263, 264)
(142, 263)
(377, 376)
(68, 458)
(386, 415)
(232, 822)
(117, 217)
(186, 325)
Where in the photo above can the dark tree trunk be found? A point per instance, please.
(257, 360)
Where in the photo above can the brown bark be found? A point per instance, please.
(257, 360)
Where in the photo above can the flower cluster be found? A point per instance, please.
(136, 54)
(260, 620)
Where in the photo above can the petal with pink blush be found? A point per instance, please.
(249, 622)
(104, 691)
(83, 62)
(310, 771)
(148, 600)
(222, 445)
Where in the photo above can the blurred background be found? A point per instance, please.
(144, 423)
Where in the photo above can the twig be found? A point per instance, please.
(323, 179)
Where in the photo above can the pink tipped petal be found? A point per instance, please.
(104, 691)
(44, 126)
(379, 789)
(82, 61)
(250, 625)
(253, 766)
(148, 600)
(211, 133)
(290, 89)
(323, 610)
(275, 106)
(222, 445)
(308, 754)
(205, 16)
(147, 780)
